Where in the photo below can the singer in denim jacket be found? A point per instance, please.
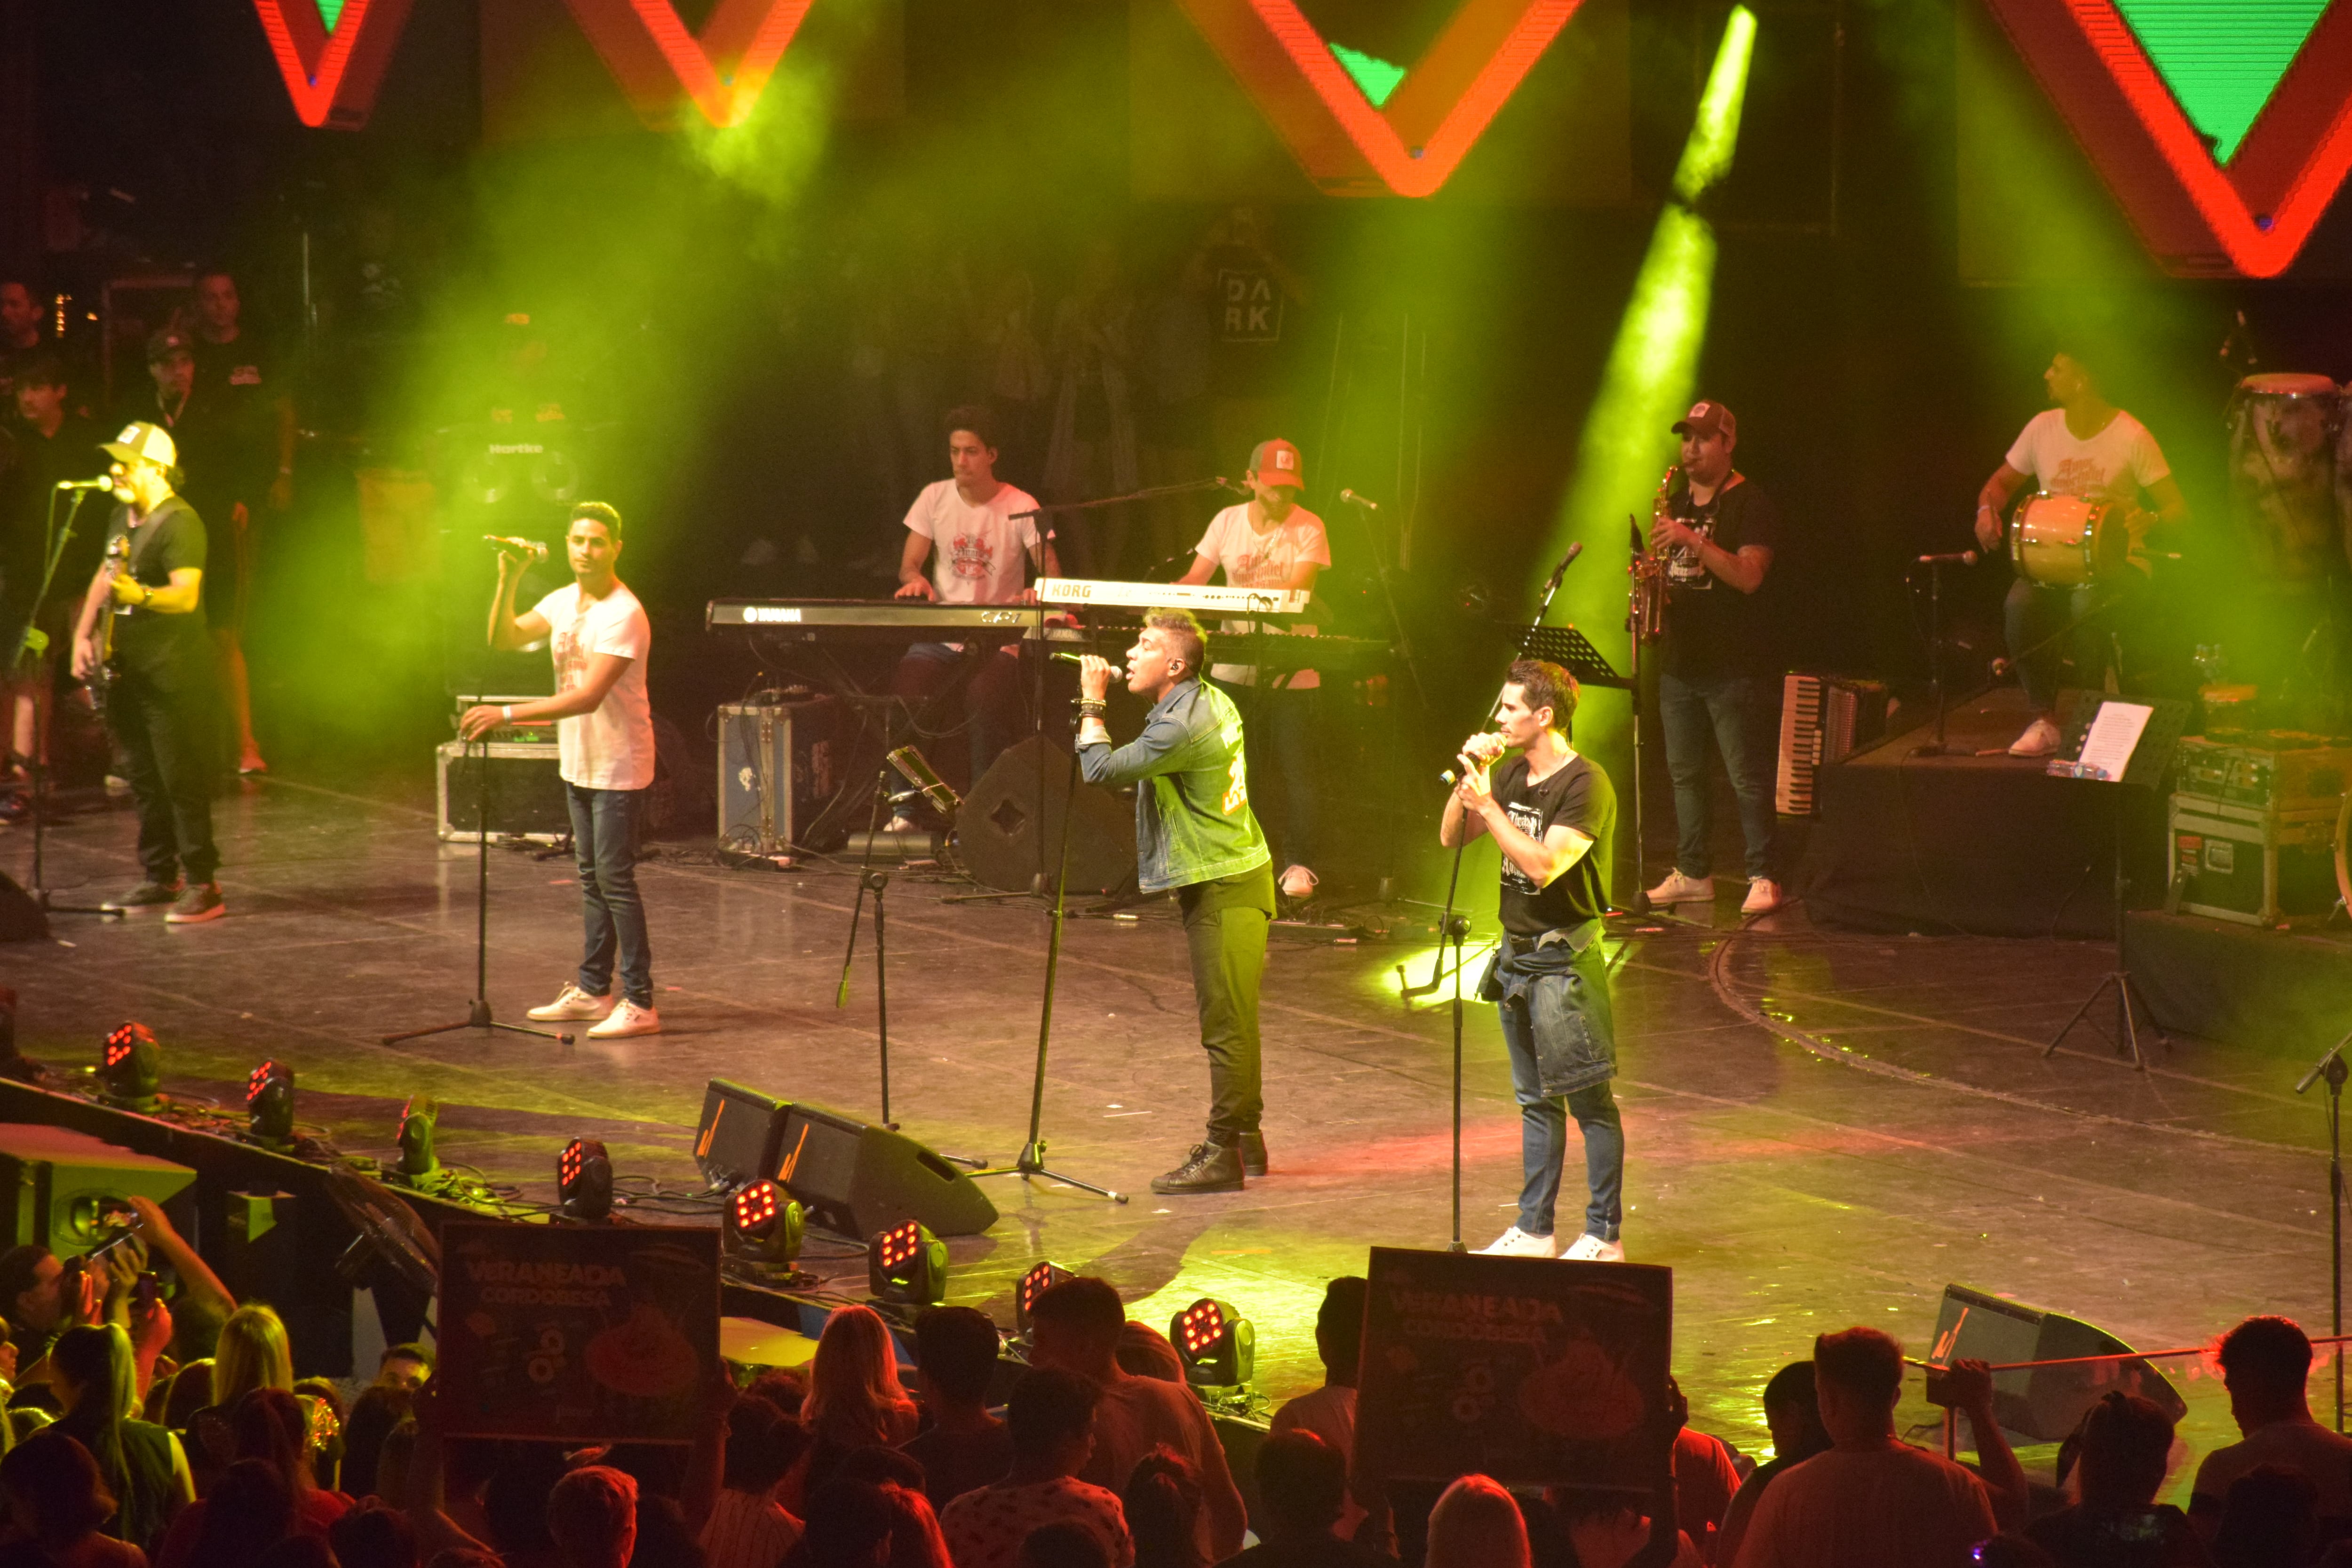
(1195, 835)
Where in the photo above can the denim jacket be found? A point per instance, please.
(1562, 980)
(1192, 818)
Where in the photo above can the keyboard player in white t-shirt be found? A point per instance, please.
(2084, 446)
(968, 545)
(1272, 541)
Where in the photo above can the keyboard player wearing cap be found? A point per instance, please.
(966, 545)
(1195, 836)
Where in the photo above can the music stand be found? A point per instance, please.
(2144, 768)
(1574, 651)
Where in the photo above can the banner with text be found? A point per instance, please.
(583, 1333)
(1528, 1370)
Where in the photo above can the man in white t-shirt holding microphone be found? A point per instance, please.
(968, 544)
(2084, 446)
(599, 635)
(1272, 541)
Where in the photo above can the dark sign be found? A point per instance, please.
(1529, 1370)
(586, 1333)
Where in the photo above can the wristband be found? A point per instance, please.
(506, 711)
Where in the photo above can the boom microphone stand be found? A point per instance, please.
(478, 1011)
(1453, 879)
(31, 642)
(1935, 565)
(1031, 1161)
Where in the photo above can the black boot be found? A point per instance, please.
(1212, 1168)
(1252, 1154)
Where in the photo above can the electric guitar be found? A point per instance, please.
(102, 670)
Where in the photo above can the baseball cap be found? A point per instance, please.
(1276, 462)
(169, 341)
(1708, 419)
(142, 442)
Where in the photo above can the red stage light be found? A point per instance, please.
(2196, 216)
(1414, 141)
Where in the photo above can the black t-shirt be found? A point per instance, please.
(147, 642)
(238, 384)
(1576, 794)
(1713, 629)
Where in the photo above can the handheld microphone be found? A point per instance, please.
(1068, 657)
(529, 549)
(1352, 498)
(1560, 571)
(98, 484)
(1964, 558)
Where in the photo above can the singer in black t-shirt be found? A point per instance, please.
(1553, 816)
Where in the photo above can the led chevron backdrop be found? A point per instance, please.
(2223, 127)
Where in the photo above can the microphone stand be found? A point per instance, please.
(1936, 565)
(31, 641)
(1454, 879)
(874, 880)
(2332, 1067)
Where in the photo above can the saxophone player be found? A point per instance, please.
(1714, 531)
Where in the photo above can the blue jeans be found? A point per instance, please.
(604, 835)
(1573, 1002)
(1734, 711)
(2033, 612)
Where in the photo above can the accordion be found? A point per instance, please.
(1823, 718)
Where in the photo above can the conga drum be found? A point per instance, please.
(2283, 477)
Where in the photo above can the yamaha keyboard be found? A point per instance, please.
(1199, 597)
(869, 620)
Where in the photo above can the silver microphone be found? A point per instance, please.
(529, 549)
(1352, 498)
(98, 484)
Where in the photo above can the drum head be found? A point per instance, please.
(2286, 383)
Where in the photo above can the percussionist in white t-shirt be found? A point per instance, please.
(967, 545)
(1272, 541)
(599, 637)
(2084, 446)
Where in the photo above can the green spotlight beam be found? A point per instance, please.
(1654, 363)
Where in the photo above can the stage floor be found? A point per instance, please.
(1823, 1128)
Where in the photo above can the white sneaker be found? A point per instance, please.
(569, 1005)
(1764, 896)
(1590, 1248)
(627, 1018)
(1518, 1243)
(1298, 882)
(2039, 739)
(1678, 888)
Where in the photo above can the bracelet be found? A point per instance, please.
(506, 711)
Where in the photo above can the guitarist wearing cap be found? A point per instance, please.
(143, 632)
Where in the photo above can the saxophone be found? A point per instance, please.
(1649, 569)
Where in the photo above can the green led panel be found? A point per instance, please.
(2221, 58)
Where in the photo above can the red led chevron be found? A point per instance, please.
(1410, 145)
(724, 69)
(332, 77)
(2198, 217)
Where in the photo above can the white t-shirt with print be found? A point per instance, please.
(611, 747)
(2115, 464)
(979, 552)
(1255, 560)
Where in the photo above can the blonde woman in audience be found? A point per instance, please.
(854, 1399)
(1477, 1524)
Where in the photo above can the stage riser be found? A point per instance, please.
(2285, 994)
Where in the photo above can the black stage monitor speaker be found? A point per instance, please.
(2043, 1404)
(856, 1179)
(21, 919)
(735, 1141)
(55, 1184)
(1011, 825)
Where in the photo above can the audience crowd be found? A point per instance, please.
(142, 1431)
